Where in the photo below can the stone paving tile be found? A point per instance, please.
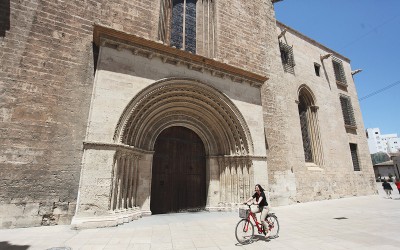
(74, 243)
(141, 239)
(139, 246)
(183, 244)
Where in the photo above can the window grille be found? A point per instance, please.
(287, 57)
(347, 110)
(354, 157)
(305, 132)
(339, 72)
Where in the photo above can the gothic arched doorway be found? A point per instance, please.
(178, 172)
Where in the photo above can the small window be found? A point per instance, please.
(354, 156)
(376, 133)
(347, 110)
(339, 72)
(317, 68)
(287, 57)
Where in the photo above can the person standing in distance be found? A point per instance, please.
(388, 188)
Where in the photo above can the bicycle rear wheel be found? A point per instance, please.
(273, 225)
(244, 231)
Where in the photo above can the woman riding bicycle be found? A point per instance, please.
(262, 203)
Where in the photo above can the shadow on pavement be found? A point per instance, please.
(5, 245)
(257, 238)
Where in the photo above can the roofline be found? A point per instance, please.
(312, 41)
(386, 163)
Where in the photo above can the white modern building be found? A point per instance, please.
(377, 142)
(393, 144)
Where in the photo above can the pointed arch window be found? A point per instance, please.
(305, 130)
(308, 116)
(188, 25)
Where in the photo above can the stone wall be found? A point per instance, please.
(46, 72)
(47, 63)
(291, 178)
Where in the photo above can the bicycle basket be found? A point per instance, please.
(243, 212)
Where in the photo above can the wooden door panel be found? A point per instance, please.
(178, 177)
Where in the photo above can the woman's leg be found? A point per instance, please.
(264, 214)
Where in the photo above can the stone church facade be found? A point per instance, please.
(114, 110)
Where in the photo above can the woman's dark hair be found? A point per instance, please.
(259, 186)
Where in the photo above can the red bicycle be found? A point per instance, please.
(245, 228)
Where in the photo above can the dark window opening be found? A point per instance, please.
(4, 17)
(305, 132)
(339, 72)
(317, 68)
(347, 110)
(287, 57)
(95, 50)
(354, 157)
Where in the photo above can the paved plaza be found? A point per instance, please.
(369, 222)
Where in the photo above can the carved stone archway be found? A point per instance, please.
(183, 102)
(188, 103)
(207, 112)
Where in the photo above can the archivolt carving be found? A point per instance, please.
(189, 103)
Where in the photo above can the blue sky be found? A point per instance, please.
(368, 33)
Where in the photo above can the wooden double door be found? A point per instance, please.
(178, 172)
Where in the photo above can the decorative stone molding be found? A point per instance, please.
(113, 146)
(104, 36)
(189, 103)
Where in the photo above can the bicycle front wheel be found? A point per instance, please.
(273, 225)
(244, 231)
